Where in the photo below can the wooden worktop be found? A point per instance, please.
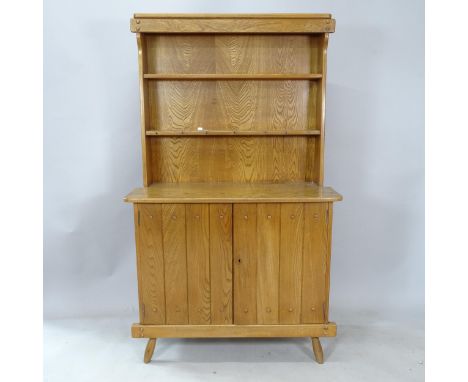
(301, 192)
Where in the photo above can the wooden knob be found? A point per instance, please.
(246, 217)
(246, 310)
(174, 217)
(290, 309)
(221, 216)
(269, 216)
(292, 216)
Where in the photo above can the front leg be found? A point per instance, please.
(318, 352)
(149, 349)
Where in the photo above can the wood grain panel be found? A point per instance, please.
(290, 277)
(268, 247)
(183, 105)
(180, 54)
(198, 263)
(314, 263)
(239, 105)
(150, 259)
(231, 53)
(175, 263)
(245, 264)
(233, 159)
(221, 263)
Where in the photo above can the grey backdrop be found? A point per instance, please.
(374, 150)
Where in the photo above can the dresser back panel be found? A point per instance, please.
(232, 159)
(225, 53)
(240, 105)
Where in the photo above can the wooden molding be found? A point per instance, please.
(240, 24)
(231, 331)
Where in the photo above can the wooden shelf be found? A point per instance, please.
(195, 133)
(300, 192)
(189, 77)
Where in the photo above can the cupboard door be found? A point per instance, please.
(221, 263)
(281, 255)
(150, 263)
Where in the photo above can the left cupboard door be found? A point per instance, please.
(150, 263)
(184, 263)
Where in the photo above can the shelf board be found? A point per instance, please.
(300, 192)
(234, 76)
(197, 133)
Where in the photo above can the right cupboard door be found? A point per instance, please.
(281, 256)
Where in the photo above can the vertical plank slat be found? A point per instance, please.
(175, 263)
(198, 263)
(245, 264)
(268, 234)
(314, 263)
(221, 263)
(150, 262)
(292, 231)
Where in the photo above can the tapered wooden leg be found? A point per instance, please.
(318, 352)
(149, 349)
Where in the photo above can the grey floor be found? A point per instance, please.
(368, 348)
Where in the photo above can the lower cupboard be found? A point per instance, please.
(233, 264)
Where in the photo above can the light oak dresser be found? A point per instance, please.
(233, 224)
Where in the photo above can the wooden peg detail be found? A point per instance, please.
(317, 347)
(149, 350)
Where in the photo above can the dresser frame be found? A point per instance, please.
(233, 224)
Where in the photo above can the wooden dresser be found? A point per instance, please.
(233, 224)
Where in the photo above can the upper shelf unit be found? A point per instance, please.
(232, 99)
